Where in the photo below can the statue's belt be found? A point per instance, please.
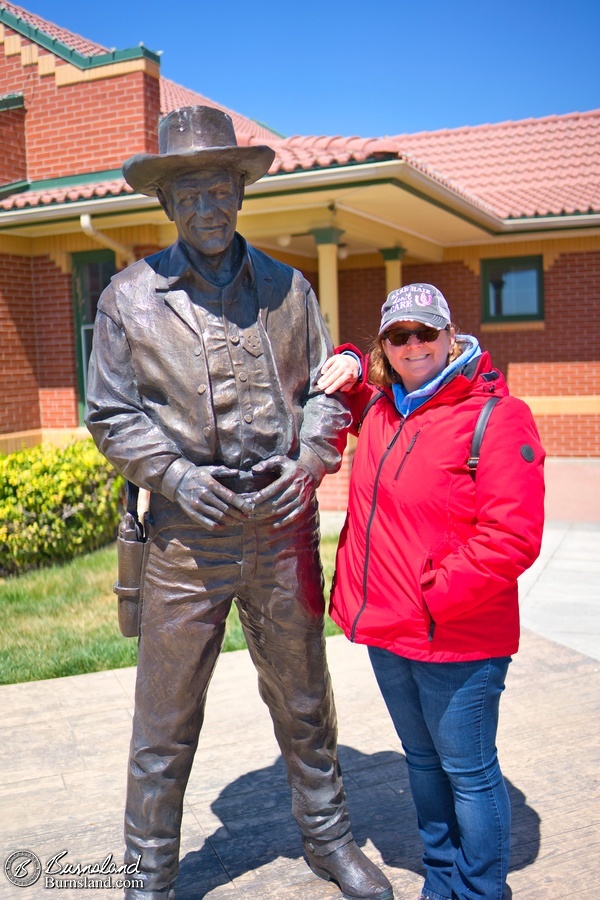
(249, 482)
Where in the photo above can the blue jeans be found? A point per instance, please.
(446, 715)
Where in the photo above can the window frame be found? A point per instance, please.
(79, 261)
(525, 262)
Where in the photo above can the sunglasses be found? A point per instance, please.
(423, 335)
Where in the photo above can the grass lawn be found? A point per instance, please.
(63, 620)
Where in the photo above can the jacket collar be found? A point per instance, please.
(465, 379)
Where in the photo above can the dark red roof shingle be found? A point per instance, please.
(48, 196)
(547, 166)
(69, 38)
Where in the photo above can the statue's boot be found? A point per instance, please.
(135, 894)
(356, 876)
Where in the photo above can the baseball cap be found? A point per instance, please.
(417, 302)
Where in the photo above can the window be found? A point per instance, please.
(512, 289)
(91, 273)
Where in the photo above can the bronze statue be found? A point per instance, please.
(202, 390)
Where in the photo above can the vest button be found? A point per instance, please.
(201, 388)
(243, 376)
(248, 418)
(197, 351)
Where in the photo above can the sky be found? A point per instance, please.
(369, 68)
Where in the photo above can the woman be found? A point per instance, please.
(427, 567)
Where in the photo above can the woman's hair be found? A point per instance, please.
(380, 370)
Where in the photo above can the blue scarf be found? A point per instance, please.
(407, 403)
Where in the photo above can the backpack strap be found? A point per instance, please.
(480, 427)
(373, 400)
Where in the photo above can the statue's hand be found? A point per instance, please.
(208, 502)
(288, 496)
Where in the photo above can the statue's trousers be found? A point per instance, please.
(192, 577)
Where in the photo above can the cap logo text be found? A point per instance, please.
(424, 300)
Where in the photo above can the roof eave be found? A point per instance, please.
(73, 209)
(555, 222)
(429, 187)
(400, 171)
(373, 170)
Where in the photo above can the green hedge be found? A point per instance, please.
(55, 503)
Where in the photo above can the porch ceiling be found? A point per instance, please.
(373, 216)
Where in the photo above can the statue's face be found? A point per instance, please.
(204, 206)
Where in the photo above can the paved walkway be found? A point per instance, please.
(63, 751)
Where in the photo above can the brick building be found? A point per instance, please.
(504, 218)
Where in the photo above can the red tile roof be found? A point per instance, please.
(526, 168)
(45, 197)
(547, 166)
(296, 153)
(534, 167)
(248, 131)
(72, 40)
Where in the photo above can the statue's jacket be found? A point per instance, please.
(149, 398)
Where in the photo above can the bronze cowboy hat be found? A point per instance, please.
(192, 138)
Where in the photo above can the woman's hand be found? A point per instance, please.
(339, 373)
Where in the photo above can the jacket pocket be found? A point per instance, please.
(427, 577)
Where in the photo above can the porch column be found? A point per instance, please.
(327, 240)
(392, 257)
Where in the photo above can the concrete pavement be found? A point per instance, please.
(64, 743)
(560, 594)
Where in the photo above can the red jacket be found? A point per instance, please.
(429, 555)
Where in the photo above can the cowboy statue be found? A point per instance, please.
(202, 390)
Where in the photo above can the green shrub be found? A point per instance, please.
(55, 503)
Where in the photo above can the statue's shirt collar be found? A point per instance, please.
(181, 269)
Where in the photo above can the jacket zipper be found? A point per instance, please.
(369, 524)
(405, 457)
(372, 514)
